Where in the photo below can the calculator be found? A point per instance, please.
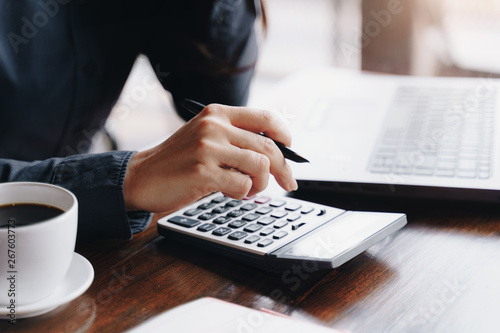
(275, 233)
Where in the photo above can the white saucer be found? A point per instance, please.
(79, 277)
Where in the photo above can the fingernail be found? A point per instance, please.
(293, 185)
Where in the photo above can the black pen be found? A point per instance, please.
(195, 108)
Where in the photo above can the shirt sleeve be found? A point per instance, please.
(214, 60)
(97, 182)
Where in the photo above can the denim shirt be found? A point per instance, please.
(63, 64)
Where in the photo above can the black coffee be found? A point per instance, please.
(26, 213)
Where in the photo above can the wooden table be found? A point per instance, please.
(441, 273)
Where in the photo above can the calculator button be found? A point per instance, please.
(277, 203)
(206, 205)
(252, 239)
(293, 217)
(280, 224)
(264, 210)
(248, 206)
(219, 199)
(233, 203)
(236, 224)
(221, 231)
(184, 221)
(297, 225)
(322, 212)
(266, 220)
(220, 209)
(206, 216)
(236, 213)
(252, 227)
(251, 217)
(280, 234)
(293, 206)
(262, 200)
(206, 227)
(279, 214)
(192, 212)
(306, 210)
(264, 242)
(222, 219)
(266, 231)
(237, 235)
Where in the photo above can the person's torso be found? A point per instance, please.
(62, 66)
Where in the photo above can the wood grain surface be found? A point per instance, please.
(438, 274)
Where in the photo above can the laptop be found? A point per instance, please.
(421, 137)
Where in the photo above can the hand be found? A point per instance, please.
(218, 150)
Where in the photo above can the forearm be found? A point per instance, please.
(97, 182)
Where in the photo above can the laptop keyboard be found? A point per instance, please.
(444, 132)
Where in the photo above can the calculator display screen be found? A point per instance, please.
(339, 236)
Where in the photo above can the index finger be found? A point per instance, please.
(257, 121)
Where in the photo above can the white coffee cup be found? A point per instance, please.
(34, 258)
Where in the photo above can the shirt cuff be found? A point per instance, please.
(139, 220)
(97, 182)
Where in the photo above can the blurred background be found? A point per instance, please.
(424, 37)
